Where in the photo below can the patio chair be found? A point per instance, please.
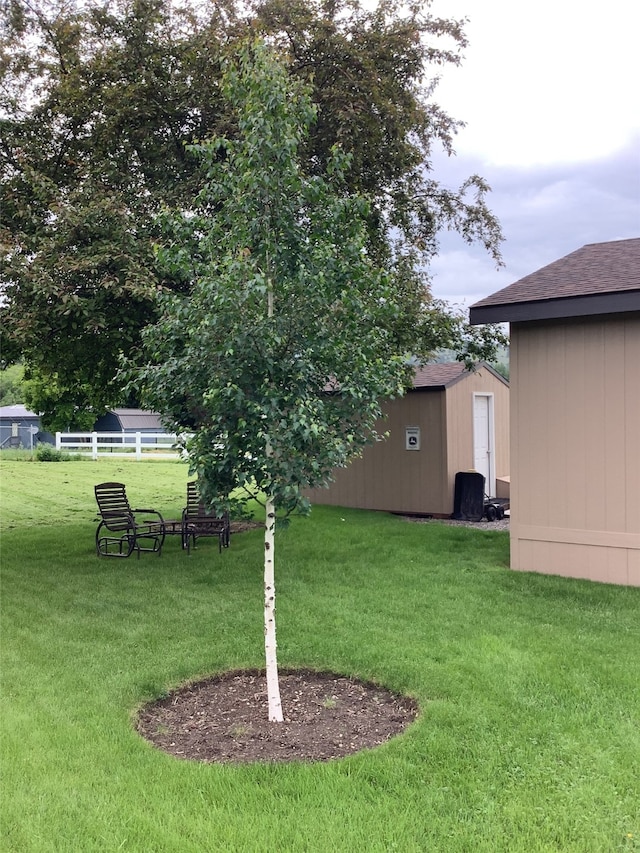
(198, 521)
(123, 530)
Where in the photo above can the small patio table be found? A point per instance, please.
(178, 528)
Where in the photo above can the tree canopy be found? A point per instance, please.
(100, 105)
(280, 353)
(282, 350)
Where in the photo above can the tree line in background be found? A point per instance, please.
(11, 385)
(13, 388)
(102, 107)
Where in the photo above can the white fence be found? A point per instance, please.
(138, 445)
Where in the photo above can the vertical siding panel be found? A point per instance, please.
(633, 568)
(517, 424)
(516, 557)
(596, 563)
(447, 474)
(533, 422)
(503, 454)
(575, 557)
(616, 565)
(450, 430)
(529, 555)
(431, 462)
(524, 390)
(543, 361)
(554, 406)
(526, 561)
(576, 483)
(614, 443)
(632, 425)
(378, 489)
(597, 450)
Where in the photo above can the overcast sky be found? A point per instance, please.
(549, 92)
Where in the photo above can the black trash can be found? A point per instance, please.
(468, 496)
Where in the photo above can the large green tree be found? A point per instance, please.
(99, 103)
(287, 341)
(89, 155)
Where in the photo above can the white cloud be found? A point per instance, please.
(549, 82)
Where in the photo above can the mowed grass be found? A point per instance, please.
(529, 686)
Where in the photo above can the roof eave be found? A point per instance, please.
(426, 388)
(551, 309)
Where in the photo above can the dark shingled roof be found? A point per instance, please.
(138, 419)
(437, 377)
(599, 278)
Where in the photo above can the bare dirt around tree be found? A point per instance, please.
(224, 718)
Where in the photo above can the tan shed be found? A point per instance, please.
(575, 413)
(451, 420)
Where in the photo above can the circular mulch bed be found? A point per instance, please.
(224, 718)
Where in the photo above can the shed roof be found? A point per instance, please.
(137, 419)
(438, 377)
(18, 410)
(599, 278)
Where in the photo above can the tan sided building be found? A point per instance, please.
(451, 420)
(575, 413)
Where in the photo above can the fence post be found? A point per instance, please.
(94, 445)
(138, 446)
(58, 440)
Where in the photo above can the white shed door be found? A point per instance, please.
(483, 440)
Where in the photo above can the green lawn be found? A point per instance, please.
(529, 686)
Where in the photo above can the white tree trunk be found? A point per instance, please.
(270, 645)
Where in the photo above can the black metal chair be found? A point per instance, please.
(197, 521)
(123, 530)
